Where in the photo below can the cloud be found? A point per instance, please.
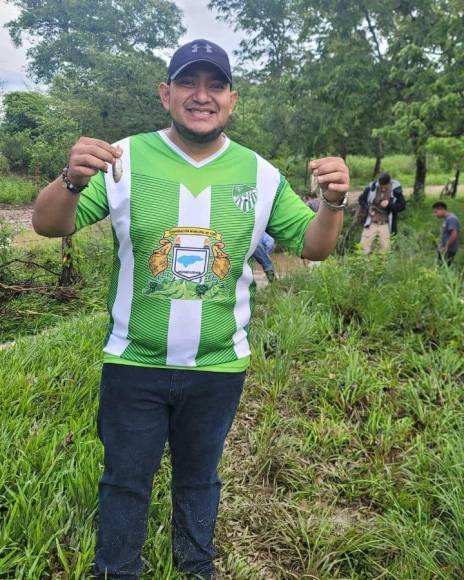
(201, 23)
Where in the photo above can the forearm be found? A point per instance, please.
(55, 210)
(322, 233)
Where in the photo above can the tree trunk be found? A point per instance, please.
(421, 174)
(377, 166)
(68, 274)
(378, 159)
(456, 183)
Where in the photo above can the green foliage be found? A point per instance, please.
(270, 27)
(16, 149)
(16, 190)
(23, 110)
(67, 34)
(115, 97)
(37, 134)
(7, 232)
(449, 149)
(4, 165)
(50, 151)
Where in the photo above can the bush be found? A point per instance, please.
(17, 150)
(16, 190)
(4, 165)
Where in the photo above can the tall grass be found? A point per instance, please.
(345, 460)
(16, 190)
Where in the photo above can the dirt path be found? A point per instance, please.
(19, 216)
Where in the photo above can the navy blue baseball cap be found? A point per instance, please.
(200, 50)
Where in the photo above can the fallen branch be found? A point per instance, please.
(29, 263)
(61, 293)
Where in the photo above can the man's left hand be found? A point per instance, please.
(333, 176)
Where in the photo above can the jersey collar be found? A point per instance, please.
(189, 159)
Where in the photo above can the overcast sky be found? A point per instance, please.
(198, 20)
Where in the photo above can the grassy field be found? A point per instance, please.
(346, 458)
(16, 190)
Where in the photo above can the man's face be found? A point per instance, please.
(384, 188)
(199, 102)
(439, 212)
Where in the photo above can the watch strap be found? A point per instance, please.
(333, 206)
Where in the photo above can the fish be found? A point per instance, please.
(117, 167)
(315, 187)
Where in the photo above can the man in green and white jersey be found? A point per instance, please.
(187, 214)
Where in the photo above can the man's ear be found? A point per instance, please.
(164, 92)
(233, 100)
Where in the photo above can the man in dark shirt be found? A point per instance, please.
(381, 201)
(449, 242)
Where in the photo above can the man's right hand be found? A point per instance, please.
(88, 157)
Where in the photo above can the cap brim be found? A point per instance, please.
(184, 66)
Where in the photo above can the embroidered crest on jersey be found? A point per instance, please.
(244, 197)
(190, 263)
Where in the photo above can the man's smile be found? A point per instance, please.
(200, 112)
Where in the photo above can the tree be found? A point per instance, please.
(451, 150)
(115, 97)
(63, 31)
(36, 133)
(23, 110)
(425, 40)
(271, 28)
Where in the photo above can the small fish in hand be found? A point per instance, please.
(315, 187)
(117, 167)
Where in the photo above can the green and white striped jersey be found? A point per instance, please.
(181, 292)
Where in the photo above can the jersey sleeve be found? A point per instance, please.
(289, 218)
(93, 203)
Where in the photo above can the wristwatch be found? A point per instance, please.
(67, 183)
(333, 206)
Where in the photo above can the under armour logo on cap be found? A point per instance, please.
(206, 47)
(199, 51)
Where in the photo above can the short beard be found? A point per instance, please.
(190, 135)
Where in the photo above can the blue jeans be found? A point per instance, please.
(262, 257)
(140, 409)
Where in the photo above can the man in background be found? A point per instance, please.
(381, 201)
(449, 242)
(263, 256)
